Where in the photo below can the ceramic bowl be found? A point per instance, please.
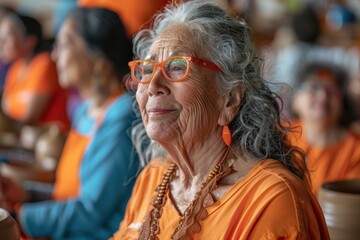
(340, 202)
(8, 227)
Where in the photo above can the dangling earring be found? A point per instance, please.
(226, 135)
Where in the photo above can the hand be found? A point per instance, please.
(11, 193)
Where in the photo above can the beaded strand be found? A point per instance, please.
(160, 199)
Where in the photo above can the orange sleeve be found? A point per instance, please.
(42, 75)
(354, 166)
(139, 203)
(288, 215)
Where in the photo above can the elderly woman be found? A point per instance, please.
(325, 114)
(228, 171)
(98, 165)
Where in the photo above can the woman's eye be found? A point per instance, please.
(177, 65)
(147, 70)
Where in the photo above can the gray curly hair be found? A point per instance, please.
(257, 129)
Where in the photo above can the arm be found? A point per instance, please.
(107, 175)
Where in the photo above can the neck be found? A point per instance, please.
(196, 161)
(322, 136)
(85, 93)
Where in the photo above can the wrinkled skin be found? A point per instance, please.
(186, 118)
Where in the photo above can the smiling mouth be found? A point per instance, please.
(159, 111)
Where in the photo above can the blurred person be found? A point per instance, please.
(293, 43)
(32, 94)
(325, 113)
(354, 92)
(4, 66)
(134, 14)
(226, 170)
(241, 8)
(98, 165)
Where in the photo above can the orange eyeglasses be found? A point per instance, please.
(174, 69)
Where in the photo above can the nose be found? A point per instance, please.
(324, 93)
(158, 85)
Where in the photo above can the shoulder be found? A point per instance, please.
(80, 111)
(153, 171)
(80, 121)
(282, 203)
(351, 144)
(279, 178)
(272, 184)
(149, 178)
(145, 186)
(121, 109)
(42, 58)
(42, 65)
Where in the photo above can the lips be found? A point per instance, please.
(159, 111)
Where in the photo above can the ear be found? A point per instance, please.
(231, 106)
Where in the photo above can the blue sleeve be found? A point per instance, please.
(107, 176)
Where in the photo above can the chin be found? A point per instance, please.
(158, 135)
(64, 81)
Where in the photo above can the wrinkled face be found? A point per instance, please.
(11, 40)
(319, 100)
(184, 112)
(74, 63)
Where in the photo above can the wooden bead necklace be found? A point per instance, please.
(160, 199)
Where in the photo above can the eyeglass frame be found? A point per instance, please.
(205, 63)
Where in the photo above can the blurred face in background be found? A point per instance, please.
(73, 61)
(319, 100)
(12, 40)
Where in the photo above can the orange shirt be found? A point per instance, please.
(338, 161)
(133, 13)
(268, 203)
(40, 77)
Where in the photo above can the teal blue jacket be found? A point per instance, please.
(107, 174)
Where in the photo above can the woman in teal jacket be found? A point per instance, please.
(97, 169)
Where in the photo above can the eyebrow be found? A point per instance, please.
(172, 54)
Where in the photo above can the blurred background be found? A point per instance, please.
(289, 34)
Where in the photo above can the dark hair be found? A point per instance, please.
(341, 78)
(306, 25)
(29, 26)
(104, 34)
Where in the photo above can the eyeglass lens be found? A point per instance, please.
(174, 69)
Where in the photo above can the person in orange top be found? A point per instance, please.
(325, 114)
(98, 165)
(227, 171)
(134, 14)
(32, 94)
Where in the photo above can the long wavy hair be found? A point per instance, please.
(257, 128)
